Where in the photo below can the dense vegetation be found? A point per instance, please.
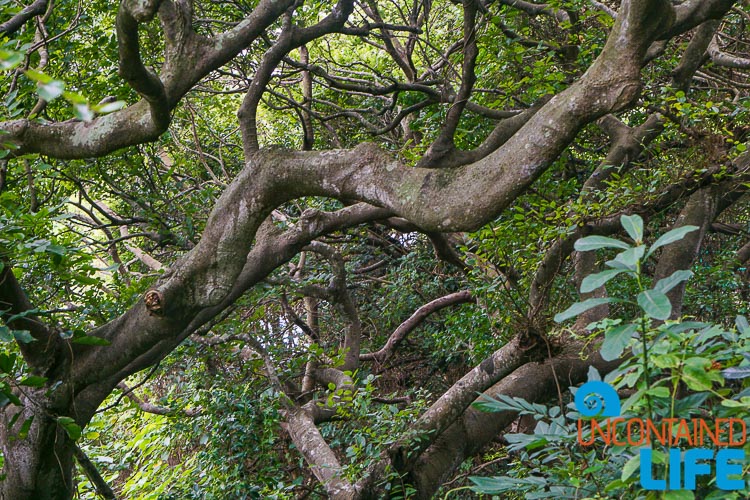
(305, 249)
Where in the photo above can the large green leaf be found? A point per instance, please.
(630, 467)
(50, 91)
(580, 307)
(23, 336)
(742, 325)
(6, 334)
(697, 374)
(9, 59)
(594, 281)
(71, 427)
(655, 304)
(616, 340)
(33, 381)
(633, 224)
(736, 372)
(670, 237)
(627, 260)
(501, 484)
(596, 242)
(668, 283)
(679, 495)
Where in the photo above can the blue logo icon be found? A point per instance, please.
(597, 399)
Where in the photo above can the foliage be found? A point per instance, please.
(670, 369)
(88, 236)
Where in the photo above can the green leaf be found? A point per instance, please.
(659, 392)
(594, 281)
(690, 403)
(56, 249)
(23, 336)
(616, 340)
(695, 376)
(33, 381)
(665, 360)
(90, 340)
(744, 402)
(655, 304)
(736, 372)
(501, 484)
(74, 98)
(627, 260)
(580, 307)
(22, 315)
(668, 283)
(596, 242)
(633, 224)
(679, 495)
(7, 362)
(9, 59)
(614, 485)
(25, 427)
(73, 429)
(630, 467)
(6, 334)
(670, 237)
(109, 107)
(83, 112)
(50, 91)
(742, 325)
(38, 76)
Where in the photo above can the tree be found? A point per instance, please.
(565, 114)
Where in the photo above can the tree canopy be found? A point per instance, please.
(288, 248)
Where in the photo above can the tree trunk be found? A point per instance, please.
(38, 466)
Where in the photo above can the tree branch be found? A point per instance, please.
(15, 23)
(400, 333)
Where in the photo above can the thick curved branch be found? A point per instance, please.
(535, 9)
(147, 407)
(535, 382)
(291, 37)
(190, 59)
(322, 460)
(92, 473)
(340, 294)
(105, 368)
(207, 277)
(141, 79)
(15, 23)
(450, 157)
(400, 333)
(692, 13)
(721, 58)
(695, 55)
(452, 404)
(444, 143)
(18, 313)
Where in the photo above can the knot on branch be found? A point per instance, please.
(215, 294)
(142, 11)
(154, 301)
